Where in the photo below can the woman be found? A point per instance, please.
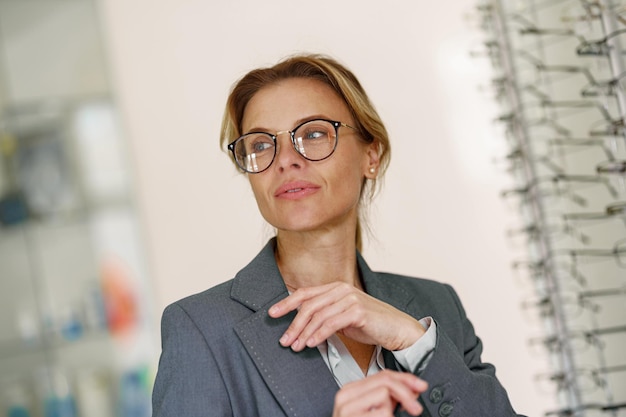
(307, 329)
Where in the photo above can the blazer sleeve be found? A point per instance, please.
(188, 381)
(460, 384)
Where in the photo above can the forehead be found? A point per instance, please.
(283, 104)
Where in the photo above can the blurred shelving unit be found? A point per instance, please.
(76, 336)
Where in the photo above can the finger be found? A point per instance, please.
(380, 391)
(374, 402)
(311, 315)
(314, 317)
(342, 315)
(324, 315)
(294, 300)
(403, 388)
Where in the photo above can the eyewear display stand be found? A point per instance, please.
(560, 82)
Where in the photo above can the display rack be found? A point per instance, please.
(77, 336)
(560, 75)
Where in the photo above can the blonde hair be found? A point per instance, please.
(340, 79)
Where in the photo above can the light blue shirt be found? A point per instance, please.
(345, 369)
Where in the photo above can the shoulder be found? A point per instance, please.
(390, 286)
(426, 297)
(211, 308)
(416, 286)
(212, 296)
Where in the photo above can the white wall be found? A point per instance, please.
(439, 215)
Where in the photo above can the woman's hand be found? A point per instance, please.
(339, 307)
(379, 394)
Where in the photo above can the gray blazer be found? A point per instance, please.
(221, 356)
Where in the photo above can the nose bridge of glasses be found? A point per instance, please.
(295, 141)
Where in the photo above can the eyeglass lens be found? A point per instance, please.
(314, 140)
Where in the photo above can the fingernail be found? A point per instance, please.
(295, 345)
(284, 339)
(273, 310)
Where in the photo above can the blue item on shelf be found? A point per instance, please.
(18, 411)
(135, 395)
(13, 209)
(59, 407)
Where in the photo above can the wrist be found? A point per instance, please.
(409, 337)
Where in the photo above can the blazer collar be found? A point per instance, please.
(260, 282)
(300, 382)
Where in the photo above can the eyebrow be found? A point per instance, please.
(297, 123)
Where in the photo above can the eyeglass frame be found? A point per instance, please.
(336, 124)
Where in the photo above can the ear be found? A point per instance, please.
(372, 160)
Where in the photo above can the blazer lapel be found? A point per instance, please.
(300, 382)
(384, 287)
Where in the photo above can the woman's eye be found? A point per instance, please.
(316, 134)
(258, 147)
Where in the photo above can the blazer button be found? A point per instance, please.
(436, 395)
(445, 409)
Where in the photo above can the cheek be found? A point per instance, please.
(258, 188)
(350, 181)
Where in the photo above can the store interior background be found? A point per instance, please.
(155, 209)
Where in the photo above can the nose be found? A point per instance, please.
(286, 155)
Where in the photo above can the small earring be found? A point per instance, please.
(372, 170)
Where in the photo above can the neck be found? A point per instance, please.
(305, 260)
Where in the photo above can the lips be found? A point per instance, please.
(295, 189)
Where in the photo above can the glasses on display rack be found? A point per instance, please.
(599, 224)
(617, 253)
(579, 341)
(562, 109)
(572, 305)
(513, 122)
(604, 88)
(516, 159)
(525, 8)
(314, 140)
(562, 271)
(612, 168)
(612, 211)
(556, 72)
(590, 410)
(614, 128)
(536, 38)
(562, 186)
(534, 232)
(616, 209)
(586, 47)
(582, 13)
(600, 47)
(615, 170)
(587, 380)
(552, 124)
(528, 27)
(609, 146)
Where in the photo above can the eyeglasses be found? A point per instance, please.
(580, 340)
(595, 409)
(315, 140)
(587, 380)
